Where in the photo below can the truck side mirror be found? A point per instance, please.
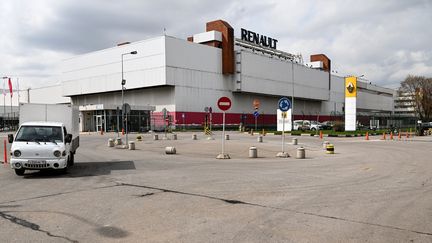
(10, 138)
(68, 138)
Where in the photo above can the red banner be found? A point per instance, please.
(10, 86)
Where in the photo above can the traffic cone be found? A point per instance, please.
(391, 135)
(102, 131)
(367, 135)
(321, 135)
(384, 136)
(122, 131)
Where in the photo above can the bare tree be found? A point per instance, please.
(419, 89)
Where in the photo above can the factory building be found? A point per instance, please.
(187, 77)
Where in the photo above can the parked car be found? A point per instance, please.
(315, 126)
(301, 125)
(327, 125)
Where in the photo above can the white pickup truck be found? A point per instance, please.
(46, 139)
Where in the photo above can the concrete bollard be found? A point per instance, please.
(155, 137)
(170, 150)
(194, 137)
(301, 153)
(131, 145)
(325, 143)
(118, 141)
(226, 136)
(174, 136)
(253, 152)
(294, 141)
(260, 139)
(110, 142)
(330, 149)
(251, 132)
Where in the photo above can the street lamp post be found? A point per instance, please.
(292, 96)
(123, 82)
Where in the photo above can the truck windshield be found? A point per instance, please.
(40, 134)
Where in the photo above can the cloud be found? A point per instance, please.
(384, 40)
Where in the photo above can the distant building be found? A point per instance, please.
(404, 104)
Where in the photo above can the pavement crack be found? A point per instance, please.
(58, 194)
(231, 201)
(145, 194)
(32, 226)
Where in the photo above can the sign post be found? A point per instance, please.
(126, 109)
(256, 114)
(256, 104)
(284, 105)
(165, 116)
(224, 104)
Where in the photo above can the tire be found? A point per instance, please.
(64, 170)
(71, 159)
(19, 172)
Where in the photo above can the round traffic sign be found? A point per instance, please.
(256, 114)
(126, 108)
(256, 103)
(224, 103)
(284, 104)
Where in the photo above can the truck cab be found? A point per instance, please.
(41, 145)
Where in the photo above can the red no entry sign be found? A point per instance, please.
(224, 103)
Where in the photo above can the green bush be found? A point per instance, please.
(339, 126)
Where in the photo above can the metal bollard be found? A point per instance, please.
(155, 137)
(110, 142)
(301, 153)
(294, 141)
(118, 141)
(253, 152)
(226, 136)
(325, 143)
(170, 150)
(260, 139)
(330, 149)
(174, 136)
(131, 145)
(194, 137)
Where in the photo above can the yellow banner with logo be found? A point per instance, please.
(351, 87)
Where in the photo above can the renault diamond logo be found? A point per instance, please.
(350, 87)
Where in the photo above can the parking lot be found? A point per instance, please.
(373, 191)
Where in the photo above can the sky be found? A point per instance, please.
(383, 40)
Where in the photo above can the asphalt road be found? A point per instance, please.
(369, 191)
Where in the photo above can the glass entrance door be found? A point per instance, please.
(98, 122)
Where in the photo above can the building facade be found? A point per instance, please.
(184, 77)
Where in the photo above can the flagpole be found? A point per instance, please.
(18, 96)
(11, 92)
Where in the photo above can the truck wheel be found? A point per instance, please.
(19, 172)
(71, 159)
